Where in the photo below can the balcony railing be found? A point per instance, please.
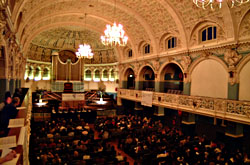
(232, 110)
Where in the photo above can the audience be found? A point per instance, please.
(60, 148)
(147, 141)
(8, 112)
(11, 155)
(6, 101)
(151, 142)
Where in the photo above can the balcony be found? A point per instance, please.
(232, 110)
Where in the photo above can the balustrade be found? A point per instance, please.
(233, 110)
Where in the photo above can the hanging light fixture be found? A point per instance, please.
(212, 4)
(84, 50)
(114, 35)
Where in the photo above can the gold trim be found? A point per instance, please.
(234, 136)
(188, 123)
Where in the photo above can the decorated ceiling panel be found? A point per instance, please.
(60, 24)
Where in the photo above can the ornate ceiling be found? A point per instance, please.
(45, 25)
(67, 38)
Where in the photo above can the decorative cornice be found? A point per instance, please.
(86, 65)
(185, 52)
(39, 62)
(110, 64)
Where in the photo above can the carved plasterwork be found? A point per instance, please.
(232, 57)
(2, 25)
(244, 31)
(206, 54)
(185, 62)
(156, 65)
(136, 67)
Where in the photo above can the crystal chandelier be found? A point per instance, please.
(114, 35)
(84, 51)
(212, 4)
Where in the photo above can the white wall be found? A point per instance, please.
(42, 84)
(209, 78)
(244, 83)
(110, 86)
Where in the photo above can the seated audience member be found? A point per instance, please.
(7, 100)
(9, 112)
(11, 155)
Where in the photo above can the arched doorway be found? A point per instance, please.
(147, 77)
(129, 82)
(172, 79)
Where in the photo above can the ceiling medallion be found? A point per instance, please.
(84, 51)
(212, 4)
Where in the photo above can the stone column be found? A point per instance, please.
(188, 123)
(233, 91)
(188, 118)
(234, 130)
(186, 88)
(159, 111)
(12, 86)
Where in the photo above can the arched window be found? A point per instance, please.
(112, 74)
(88, 74)
(46, 72)
(130, 53)
(105, 74)
(37, 74)
(147, 49)
(209, 33)
(171, 43)
(97, 74)
(30, 73)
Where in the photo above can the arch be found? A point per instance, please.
(244, 79)
(31, 72)
(163, 39)
(197, 61)
(178, 20)
(144, 69)
(97, 74)
(37, 74)
(209, 78)
(105, 74)
(169, 65)
(46, 73)
(141, 48)
(120, 6)
(146, 78)
(140, 70)
(166, 63)
(242, 63)
(126, 54)
(87, 74)
(19, 19)
(171, 77)
(111, 74)
(28, 40)
(199, 26)
(126, 72)
(129, 79)
(240, 24)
